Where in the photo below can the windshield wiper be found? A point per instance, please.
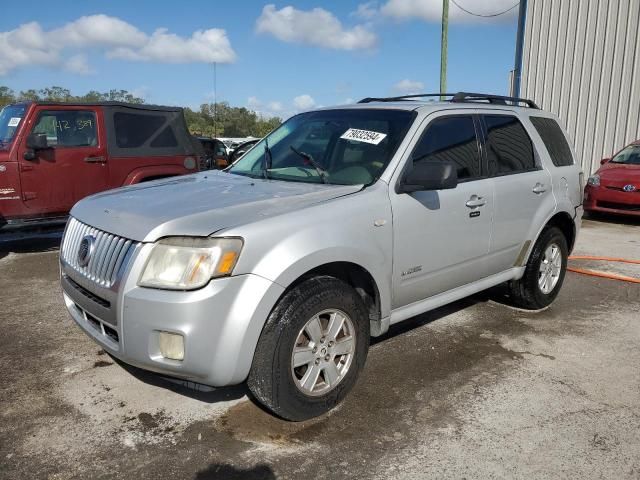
(321, 173)
(266, 160)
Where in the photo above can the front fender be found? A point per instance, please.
(356, 228)
(157, 171)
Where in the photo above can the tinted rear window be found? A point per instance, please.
(509, 148)
(554, 140)
(134, 130)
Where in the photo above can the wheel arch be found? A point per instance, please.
(563, 221)
(353, 274)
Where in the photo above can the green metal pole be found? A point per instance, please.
(443, 48)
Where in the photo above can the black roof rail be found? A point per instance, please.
(404, 97)
(496, 99)
(460, 97)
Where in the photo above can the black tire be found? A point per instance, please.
(271, 380)
(526, 292)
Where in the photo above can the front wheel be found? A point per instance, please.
(311, 349)
(544, 272)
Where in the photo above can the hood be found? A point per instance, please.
(619, 174)
(198, 205)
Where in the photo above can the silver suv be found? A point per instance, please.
(341, 222)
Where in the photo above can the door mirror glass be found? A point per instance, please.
(604, 160)
(430, 176)
(37, 141)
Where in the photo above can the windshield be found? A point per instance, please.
(10, 118)
(629, 155)
(340, 147)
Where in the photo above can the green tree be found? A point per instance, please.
(29, 95)
(7, 96)
(56, 94)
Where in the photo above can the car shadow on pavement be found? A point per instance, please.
(617, 219)
(45, 242)
(438, 313)
(229, 472)
(192, 390)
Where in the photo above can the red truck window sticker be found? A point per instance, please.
(14, 121)
(366, 136)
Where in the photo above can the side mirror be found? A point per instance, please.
(604, 160)
(37, 141)
(429, 176)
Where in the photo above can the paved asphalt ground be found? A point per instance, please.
(473, 390)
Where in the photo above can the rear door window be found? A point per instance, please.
(451, 139)
(134, 130)
(554, 140)
(508, 146)
(67, 128)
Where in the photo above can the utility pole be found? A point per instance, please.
(443, 48)
(215, 102)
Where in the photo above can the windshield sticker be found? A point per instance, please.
(366, 136)
(14, 121)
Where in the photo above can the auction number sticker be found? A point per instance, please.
(14, 121)
(366, 136)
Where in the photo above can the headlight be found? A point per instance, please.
(187, 263)
(594, 180)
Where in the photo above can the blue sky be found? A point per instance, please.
(275, 58)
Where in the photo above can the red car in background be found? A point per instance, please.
(54, 154)
(615, 187)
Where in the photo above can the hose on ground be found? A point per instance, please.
(611, 276)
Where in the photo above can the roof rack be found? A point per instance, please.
(404, 97)
(459, 97)
(497, 99)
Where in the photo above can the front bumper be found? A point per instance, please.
(220, 323)
(607, 200)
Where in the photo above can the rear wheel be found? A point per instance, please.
(544, 272)
(311, 349)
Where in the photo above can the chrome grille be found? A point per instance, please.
(109, 252)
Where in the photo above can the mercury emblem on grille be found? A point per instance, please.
(85, 250)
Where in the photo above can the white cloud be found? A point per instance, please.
(64, 47)
(78, 64)
(268, 109)
(316, 27)
(204, 46)
(275, 106)
(100, 30)
(366, 11)
(431, 10)
(26, 45)
(254, 103)
(304, 102)
(408, 87)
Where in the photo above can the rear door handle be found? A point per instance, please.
(539, 188)
(475, 201)
(95, 159)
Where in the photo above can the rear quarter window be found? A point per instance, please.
(134, 130)
(554, 140)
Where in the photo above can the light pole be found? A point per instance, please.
(443, 48)
(215, 102)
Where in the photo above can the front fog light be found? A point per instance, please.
(171, 345)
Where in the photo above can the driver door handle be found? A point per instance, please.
(475, 201)
(539, 188)
(95, 159)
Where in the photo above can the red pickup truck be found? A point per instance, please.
(54, 154)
